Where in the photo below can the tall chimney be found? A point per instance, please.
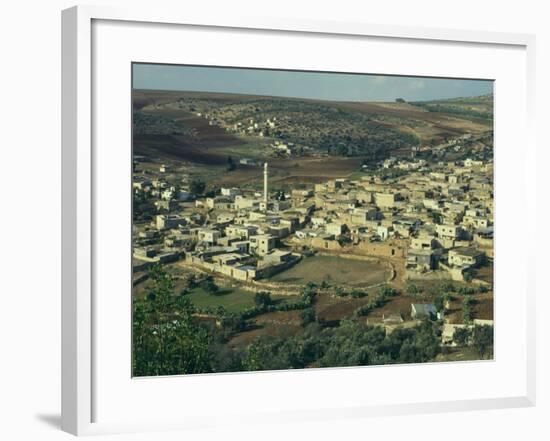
(265, 183)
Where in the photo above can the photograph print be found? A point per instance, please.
(298, 219)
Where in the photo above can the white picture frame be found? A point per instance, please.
(80, 201)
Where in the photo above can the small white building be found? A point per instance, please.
(448, 231)
(465, 257)
(384, 231)
(208, 235)
(231, 192)
(166, 221)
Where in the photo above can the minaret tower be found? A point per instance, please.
(265, 183)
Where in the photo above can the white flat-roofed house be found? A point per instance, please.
(208, 235)
(384, 232)
(422, 243)
(448, 231)
(225, 217)
(387, 200)
(185, 241)
(167, 221)
(231, 192)
(262, 244)
(277, 256)
(243, 202)
(465, 256)
(421, 259)
(240, 231)
(220, 203)
(476, 221)
(335, 229)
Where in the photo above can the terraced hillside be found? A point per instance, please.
(220, 123)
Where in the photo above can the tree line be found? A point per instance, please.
(169, 338)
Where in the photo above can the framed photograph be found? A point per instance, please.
(286, 220)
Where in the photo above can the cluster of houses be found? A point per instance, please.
(237, 233)
(252, 126)
(261, 127)
(437, 218)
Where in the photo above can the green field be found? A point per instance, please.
(232, 299)
(335, 271)
(357, 175)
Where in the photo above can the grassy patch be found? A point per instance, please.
(357, 175)
(232, 299)
(335, 271)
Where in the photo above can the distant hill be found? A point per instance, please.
(209, 122)
(475, 109)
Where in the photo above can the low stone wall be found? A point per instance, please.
(364, 258)
(271, 270)
(242, 276)
(349, 256)
(430, 275)
(282, 288)
(389, 249)
(292, 289)
(382, 249)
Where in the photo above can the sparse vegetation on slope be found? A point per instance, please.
(470, 108)
(153, 124)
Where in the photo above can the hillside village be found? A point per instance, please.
(430, 222)
(294, 127)
(288, 233)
